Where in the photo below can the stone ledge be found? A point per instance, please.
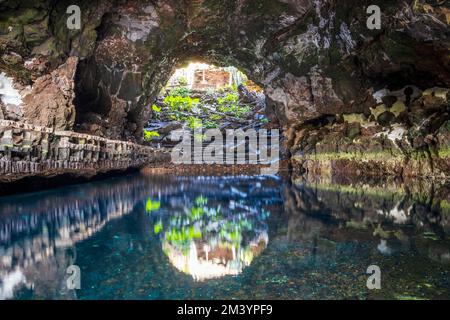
(28, 150)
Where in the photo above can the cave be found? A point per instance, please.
(351, 117)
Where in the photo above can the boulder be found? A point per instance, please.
(386, 118)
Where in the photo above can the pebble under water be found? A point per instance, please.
(236, 237)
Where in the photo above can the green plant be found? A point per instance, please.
(176, 116)
(156, 108)
(157, 111)
(199, 137)
(229, 89)
(230, 105)
(152, 205)
(181, 92)
(229, 99)
(149, 135)
(179, 103)
(182, 81)
(158, 227)
(210, 124)
(194, 123)
(210, 92)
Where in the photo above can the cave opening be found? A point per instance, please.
(354, 176)
(115, 101)
(200, 94)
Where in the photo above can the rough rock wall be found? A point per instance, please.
(316, 59)
(50, 101)
(39, 58)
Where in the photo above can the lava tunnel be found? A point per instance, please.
(337, 89)
(211, 149)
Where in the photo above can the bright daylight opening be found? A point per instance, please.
(204, 95)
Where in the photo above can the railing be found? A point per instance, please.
(29, 149)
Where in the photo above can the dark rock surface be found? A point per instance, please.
(314, 59)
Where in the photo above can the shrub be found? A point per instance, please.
(156, 108)
(197, 123)
(194, 123)
(229, 99)
(229, 89)
(230, 105)
(149, 135)
(181, 92)
(182, 81)
(179, 103)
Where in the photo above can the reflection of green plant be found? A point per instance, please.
(201, 201)
(407, 297)
(196, 213)
(210, 224)
(282, 279)
(151, 205)
(157, 228)
(149, 135)
(430, 236)
(183, 236)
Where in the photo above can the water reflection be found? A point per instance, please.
(150, 237)
(212, 238)
(38, 231)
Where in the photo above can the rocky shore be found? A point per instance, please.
(33, 151)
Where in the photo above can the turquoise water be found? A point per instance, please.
(143, 237)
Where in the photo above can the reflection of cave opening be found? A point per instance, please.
(207, 237)
(205, 95)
